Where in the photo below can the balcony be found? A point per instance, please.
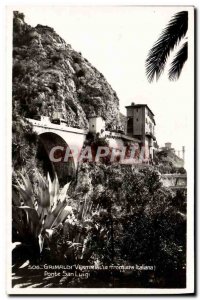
(151, 134)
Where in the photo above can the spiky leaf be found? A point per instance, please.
(25, 190)
(33, 220)
(170, 37)
(53, 190)
(51, 219)
(43, 194)
(178, 62)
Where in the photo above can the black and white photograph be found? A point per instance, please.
(102, 174)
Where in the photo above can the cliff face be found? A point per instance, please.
(50, 77)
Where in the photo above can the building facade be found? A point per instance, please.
(97, 125)
(141, 125)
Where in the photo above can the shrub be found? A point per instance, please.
(35, 215)
(19, 69)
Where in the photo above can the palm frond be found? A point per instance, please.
(178, 62)
(170, 37)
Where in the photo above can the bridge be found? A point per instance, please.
(54, 135)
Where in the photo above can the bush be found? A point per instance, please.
(144, 223)
(19, 70)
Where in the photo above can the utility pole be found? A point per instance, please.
(183, 150)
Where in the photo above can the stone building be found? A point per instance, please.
(141, 125)
(97, 125)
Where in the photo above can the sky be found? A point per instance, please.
(116, 40)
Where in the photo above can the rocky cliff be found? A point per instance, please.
(50, 77)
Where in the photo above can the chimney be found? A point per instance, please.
(168, 145)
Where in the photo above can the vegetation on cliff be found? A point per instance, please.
(168, 162)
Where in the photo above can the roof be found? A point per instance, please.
(122, 136)
(140, 105)
(126, 137)
(95, 116)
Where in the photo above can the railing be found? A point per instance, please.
(60, 127)
(174, 181)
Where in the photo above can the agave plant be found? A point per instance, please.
(36, 215)
(75, 240)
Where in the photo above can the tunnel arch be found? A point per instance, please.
(65, 170)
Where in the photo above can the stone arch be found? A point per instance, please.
(65, 170)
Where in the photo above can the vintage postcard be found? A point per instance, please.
(101, 180)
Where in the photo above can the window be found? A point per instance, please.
(130, 126)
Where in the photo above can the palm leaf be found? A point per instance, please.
(170, 37)
(178, 62)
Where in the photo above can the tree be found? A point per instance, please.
(170, 37)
